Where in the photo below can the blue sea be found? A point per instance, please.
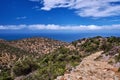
(66, 37)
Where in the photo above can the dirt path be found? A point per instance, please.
(89, 69)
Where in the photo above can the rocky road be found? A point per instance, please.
(89, 69)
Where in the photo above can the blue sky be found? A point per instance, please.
(59, 15)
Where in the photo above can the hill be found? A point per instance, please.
(24, 53)
(28, 59)
(110, 46)
(38, 45)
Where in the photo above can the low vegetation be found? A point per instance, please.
(48, 67)
(16, 62)
(56, 63)
(97, 43)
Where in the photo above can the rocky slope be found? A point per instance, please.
(106, 66)
(22, 59)
(110, 46)
(96, 43)
(38, 45)
(9, 54)
(89, 69)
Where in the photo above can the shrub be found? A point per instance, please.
(54, 64)
(24, 67)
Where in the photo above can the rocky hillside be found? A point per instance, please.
(98, 66)
(110, 46)
(21, 57)
(28, 59)
(8, 57)
(9, 53)
(89, 69)
(96, 44)
(38, 45)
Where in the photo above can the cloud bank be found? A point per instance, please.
(85, 8)
(12, 27)
(59, 27)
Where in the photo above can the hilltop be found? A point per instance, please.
(110, 46)
(47, 59)
(20, 57)
(39, 45)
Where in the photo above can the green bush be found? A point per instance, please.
(24, 67)
(5, 75)
(54, 64)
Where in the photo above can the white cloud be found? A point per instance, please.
(49, 4)
(77, 28)
(112, 27)
(59, 27)
(12, 27)
(86, 8)
(23, 17)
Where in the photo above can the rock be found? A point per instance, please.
(89, 69)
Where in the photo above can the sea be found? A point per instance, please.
(66, 37)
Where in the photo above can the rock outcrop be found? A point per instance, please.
(89, 69)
